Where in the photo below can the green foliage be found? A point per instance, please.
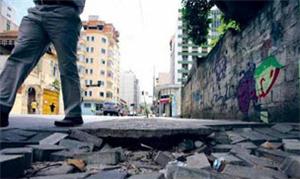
(195, 17)
(226, 24)
(56, 84)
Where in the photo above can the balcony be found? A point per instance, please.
(183, 71)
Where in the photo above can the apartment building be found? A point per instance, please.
(184, 52)
(7, 17)
(101, 79)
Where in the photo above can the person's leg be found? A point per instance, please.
(31, 44)
(64, 33)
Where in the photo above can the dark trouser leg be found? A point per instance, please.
(64, 33)
(31, 45)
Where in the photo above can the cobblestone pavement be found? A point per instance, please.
(109, 147)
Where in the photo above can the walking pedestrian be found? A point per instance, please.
(50, 21)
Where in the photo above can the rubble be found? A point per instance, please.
(12, 166)
(232, 152)
(26, 152)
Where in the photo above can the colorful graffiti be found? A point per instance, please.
(257, 82)
(220, 68)
(246, 89)
(266, 75)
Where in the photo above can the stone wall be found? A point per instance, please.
(253, 74)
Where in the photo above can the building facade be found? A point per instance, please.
(101, 68)
(7, 17)
(130, 90)
(184, 52)
(41, 86)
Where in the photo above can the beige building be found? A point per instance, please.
(163, 79)
(42, 85)
(102, 65)
(7, 17)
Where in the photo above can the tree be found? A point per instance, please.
(195, 15)
(195, 19)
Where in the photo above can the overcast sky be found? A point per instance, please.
(145, 26)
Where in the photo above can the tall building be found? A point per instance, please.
(184, 52)
(7, 17)
(102, 64)
(130, 90)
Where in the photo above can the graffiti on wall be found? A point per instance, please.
(220, 68)
(197, 97)
(257, 82)
(229, 93)
(246, 92)
(266, 75)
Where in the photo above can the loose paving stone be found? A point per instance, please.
(107, 157)
(76, 145)
(163, 158)
(53, 139)
(12, 166)
(43, 152)
(56, 170)
(229, 158)
(68, 176)
(257, 137)
(221, 138)
(148, 176)
(274, 133)
(197, 161)
(235, 137)
(238, 149)
(250, 172)
(248, 145)
(186, 145)
(283, 128)
(86, 137)
(291, 166)
(276, 155)
(64, 155)
(291, 146)
(113, 174)
(189, 173)
(254, 161)
(27, 152)
(220, 148)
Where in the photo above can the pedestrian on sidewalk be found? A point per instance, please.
(50, 21)
(33, 106)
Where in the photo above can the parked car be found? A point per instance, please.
(111, 109)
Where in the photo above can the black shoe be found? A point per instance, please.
(4, 119)
(69, 122)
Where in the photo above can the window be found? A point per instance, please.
(102, 72)
(86, 60)
(87, 49)
(91, 82)
(87, 105)
(91, 93)
(103, 62)
(101, 94)
(101, 83)
(85, 93)
(103, 40)
(8, 25)
(86, 71)
(88, 38)
(93, 38)
(91, 60)
(92, 49)
(103, 51)
(86, 82)
(91, 71)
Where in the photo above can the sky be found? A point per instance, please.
(145, 26)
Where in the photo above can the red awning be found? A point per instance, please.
(164, 100)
